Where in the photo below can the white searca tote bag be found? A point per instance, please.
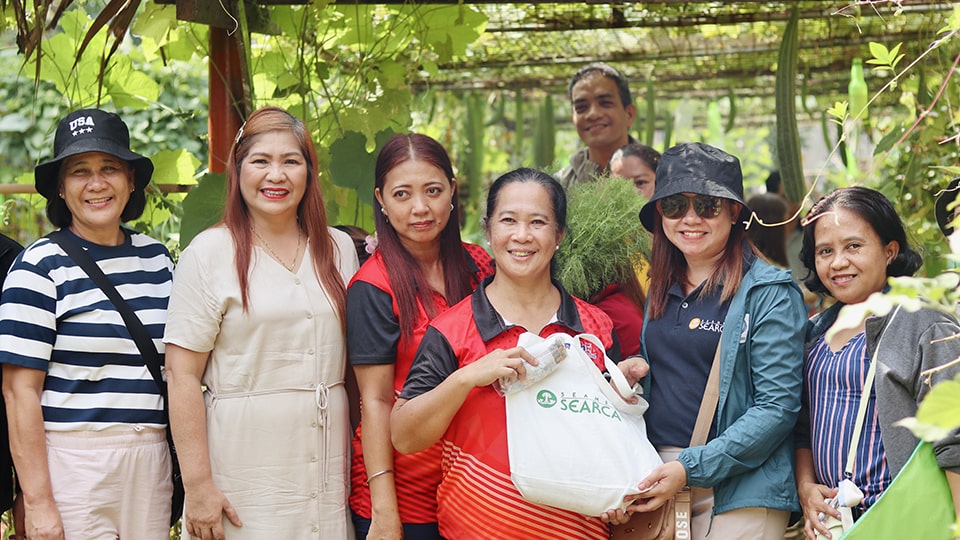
(574, 443)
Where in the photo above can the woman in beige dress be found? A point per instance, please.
(256, 323)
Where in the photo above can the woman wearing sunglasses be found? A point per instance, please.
(709, 288)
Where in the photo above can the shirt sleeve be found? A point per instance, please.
(434, 362)
(373, 330)
(195, 314)
(28, 316)
(938, 349)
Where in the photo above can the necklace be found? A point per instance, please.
(274, 253)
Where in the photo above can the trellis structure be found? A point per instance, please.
(669, 49)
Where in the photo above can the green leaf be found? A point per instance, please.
(895, 57)
(941, 406)
(880, 54)
(352, 166)
(203, 206)
(449, 29)
(953, 24)
(938, 414)
(888, 140)
(838, 111)
(878, 303)
(264, 85)
(174, 167)
(129, 87)
(926, 432)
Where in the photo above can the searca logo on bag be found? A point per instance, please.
(577, 403)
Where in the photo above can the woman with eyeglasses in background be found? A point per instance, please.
(710, 288)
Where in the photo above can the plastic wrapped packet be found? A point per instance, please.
(548, 352)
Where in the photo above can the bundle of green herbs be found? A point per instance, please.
(604, 236)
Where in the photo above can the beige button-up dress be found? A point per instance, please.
(277, 419)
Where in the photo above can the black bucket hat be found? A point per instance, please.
(90, 130)
(944, 198)
(696, 168)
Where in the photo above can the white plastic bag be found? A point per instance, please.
(573, 442)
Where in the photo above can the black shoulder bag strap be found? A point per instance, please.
(136, 328)
(148, 351)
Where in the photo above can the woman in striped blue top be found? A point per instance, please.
(853, 240)
(86, 418)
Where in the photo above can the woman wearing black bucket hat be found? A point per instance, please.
(87, 422)
(711, 292)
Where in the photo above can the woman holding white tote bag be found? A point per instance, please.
(449, 394)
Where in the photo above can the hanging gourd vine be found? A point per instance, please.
(545, 135)
(788, 136)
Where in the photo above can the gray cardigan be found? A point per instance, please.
(907, 351)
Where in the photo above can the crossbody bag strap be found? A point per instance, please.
(864, 400)
(708, 405)
(683, 501)
(151, 358)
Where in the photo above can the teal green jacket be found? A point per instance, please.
(750, 463)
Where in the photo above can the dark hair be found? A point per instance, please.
(359, 237)
(871, 206)
(311, 211)
(773, 182)
(608, 71)
(406, 277)
(558, 197)
(668, 266)
(648, 155)
(770, 238)
(61, 217)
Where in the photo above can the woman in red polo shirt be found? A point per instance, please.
(419, 269)
(448, 395)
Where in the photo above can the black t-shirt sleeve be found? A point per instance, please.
(372, 328)
(614, 353)
(434, 362)
(9, 249)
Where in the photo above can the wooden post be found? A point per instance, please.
(227, 99)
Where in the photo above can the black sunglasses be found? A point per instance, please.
(675, 206)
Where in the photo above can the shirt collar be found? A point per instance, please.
(490, 323)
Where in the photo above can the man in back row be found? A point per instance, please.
(603, 112)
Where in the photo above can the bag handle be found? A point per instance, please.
(616, 376)
(138, 332)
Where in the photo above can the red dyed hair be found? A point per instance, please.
(311, 212)
(406, 277)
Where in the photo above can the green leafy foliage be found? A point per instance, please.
(884, 57)
(941, 292)
(604, 236)
(838, 113)
(203, 206)
(938, 414)
(352, 166)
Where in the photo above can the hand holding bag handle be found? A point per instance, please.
(139, 334)
(617, 378)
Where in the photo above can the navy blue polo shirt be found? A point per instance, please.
(680, 347)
